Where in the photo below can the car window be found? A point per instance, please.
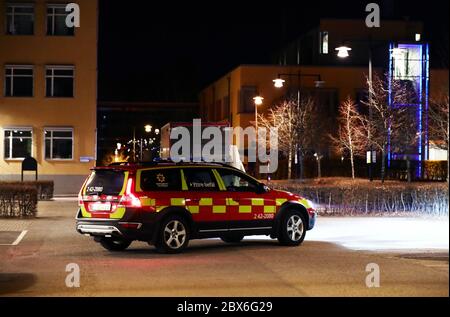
(235, 181)
(200, 179)
(105, 182)
(161, 180)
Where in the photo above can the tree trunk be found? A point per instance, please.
(302, 165)
(289, 176)
(319, 171)
(352, 163)
(383, 165)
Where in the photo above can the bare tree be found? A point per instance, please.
(439, 124)
(294, 121)
(351, 132)
(391, 121)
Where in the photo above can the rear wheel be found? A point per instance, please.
(173, 235)
(292, 229)
(232, 238)
(115, 244)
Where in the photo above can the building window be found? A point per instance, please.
(19, 81)
(323, 42)
(19, 19)
(56, 20)
(246, 102)
(18, 143)
(58, 143)
(59, 81)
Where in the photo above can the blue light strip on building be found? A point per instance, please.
(391, 74)
(427, 91)
(419, 170)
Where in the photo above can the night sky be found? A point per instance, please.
(169, 51)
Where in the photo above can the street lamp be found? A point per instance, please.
(258, 102)
(278, 82)
(148, 128)
(343, 53)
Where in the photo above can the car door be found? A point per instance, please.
(205, 200)
(249, 207)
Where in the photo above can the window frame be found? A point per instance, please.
(58, 129)
(52, 79)
(10, 140)
(54, 6)
(14, 5)
(241, 175)
(322, 35)
(213, 178)
(12, 67)
(139, 173)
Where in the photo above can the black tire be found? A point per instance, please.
(291, 231)
(232, 238)
(114, 244)
(173, 235)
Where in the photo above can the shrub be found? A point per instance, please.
(44, 189)
(18, 200)
(360, 198)
(435, 170)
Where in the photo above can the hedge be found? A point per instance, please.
(18, 200)
(44, 189)
(357, 199)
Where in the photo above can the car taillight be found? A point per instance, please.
(130, 199)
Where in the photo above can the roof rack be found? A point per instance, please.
(166, 161)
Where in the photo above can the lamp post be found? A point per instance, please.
(258, 102)
(343, 53)
(279, 83)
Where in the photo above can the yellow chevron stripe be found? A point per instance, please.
(206, 202)
(245, 209)
(219, 209)
(269, 209)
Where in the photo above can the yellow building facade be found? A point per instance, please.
(48, 83)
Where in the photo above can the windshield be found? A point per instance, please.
(107, 182)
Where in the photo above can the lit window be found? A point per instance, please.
(59, 81)
(18, 143)
(18, 81)
(418, 37)
(58, 143)
(19, 19)
(56, 20)
(323, 42)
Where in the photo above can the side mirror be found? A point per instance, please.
(262, 188)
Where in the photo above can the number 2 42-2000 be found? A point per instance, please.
(263, 216)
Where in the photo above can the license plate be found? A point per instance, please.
(100, 206)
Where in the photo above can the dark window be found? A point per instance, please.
(200, 179)
(18, 81)
(18, 143)
(59, 81)
(246, 102)
(106, 182)
(161, 180)
(20, 19)
(237, 182)
(58, 143)
(56, 20)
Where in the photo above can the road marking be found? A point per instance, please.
(19, 238)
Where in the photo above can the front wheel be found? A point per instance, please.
(114, 244)
(292, 229)
(173, 235)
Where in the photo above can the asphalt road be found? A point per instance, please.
(331, 262)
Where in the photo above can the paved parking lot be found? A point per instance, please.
(331, 262)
